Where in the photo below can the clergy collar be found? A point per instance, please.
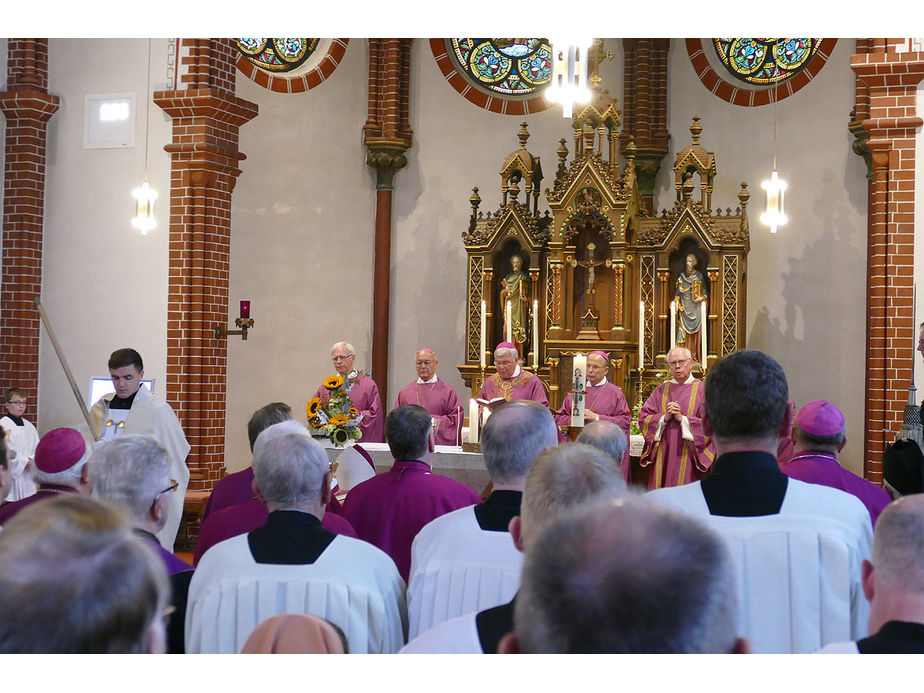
(689, 380)
(15, 419)
(427, 382)
(600, 384)
(516, 372)
(119, 403)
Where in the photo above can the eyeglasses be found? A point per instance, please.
(674, 364)
(341, 358)
(17, 402)
(174, 484)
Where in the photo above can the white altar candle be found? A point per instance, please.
(641, 335)
(509, 313)
(472, 421)
(536, 336)
(702, 332)
(484, 323)
(673, 339)
(578, 384)
(485, 413)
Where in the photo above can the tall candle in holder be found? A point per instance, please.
(536, 335)
(484, 323)
(641, 335)
(472, 421)
(578, 382)
(508, 312)
(702, 332)
(673, 339)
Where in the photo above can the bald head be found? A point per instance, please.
(562, 478)
(426, 363)
(626, 576)
(512, 439)
(898, 544)
(606, 436)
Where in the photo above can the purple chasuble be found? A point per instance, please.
(365, 397)
(246, 517)
(232, 489)
(442, 402)
(824, 469)
(523, 386)
(172, 563)
(389, 509)
(607, 402)
(676, 461)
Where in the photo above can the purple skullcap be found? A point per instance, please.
(59, 449)
(504, 345)
(820, 418)
(602, 354)
(427, 349)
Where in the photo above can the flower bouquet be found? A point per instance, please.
(333, 415)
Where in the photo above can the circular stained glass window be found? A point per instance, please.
(508, 66)
(277, 54)
(763, 61)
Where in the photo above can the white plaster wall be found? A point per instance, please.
(104, 286)
(807, 283)
(303, 226)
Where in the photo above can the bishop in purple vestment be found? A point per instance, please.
(602, 400)
(672, 422)
(364, 393)
(436, 396)
(820, 433)
(511, 382)
(389, 510)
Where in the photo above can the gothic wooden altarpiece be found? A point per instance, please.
(598, 256)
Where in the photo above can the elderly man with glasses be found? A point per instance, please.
(21, 439)
(676, 447)
(132, 472)
(364, 393)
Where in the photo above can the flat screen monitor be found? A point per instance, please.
(100, 387)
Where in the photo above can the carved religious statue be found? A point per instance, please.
(515, 289)
(590, 265)
(690, 298)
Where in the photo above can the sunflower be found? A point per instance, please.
(338, 419)
(339, 436)
(314, 404)
(333, 382)
(354, 412)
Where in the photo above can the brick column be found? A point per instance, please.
(891, 80)
(645, 111)
(204, 168)
(27, 106)
(387, 135)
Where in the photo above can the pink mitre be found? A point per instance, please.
(820, 418)
(504, 345)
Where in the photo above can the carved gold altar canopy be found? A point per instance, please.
(596, 255)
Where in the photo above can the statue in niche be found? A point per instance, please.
(515, 288)
(689, 296)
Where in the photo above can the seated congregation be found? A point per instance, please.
(559, 555)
